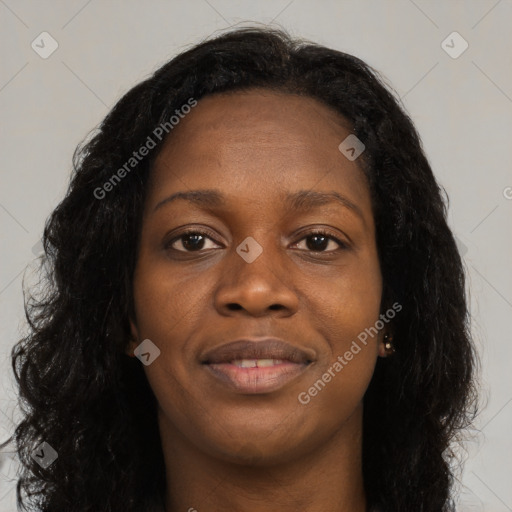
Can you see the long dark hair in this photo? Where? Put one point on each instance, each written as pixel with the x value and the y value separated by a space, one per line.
pixel 83 396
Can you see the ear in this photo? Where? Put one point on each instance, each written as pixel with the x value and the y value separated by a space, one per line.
pixel 134 338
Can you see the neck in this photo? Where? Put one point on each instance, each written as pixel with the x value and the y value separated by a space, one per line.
pixel 326 478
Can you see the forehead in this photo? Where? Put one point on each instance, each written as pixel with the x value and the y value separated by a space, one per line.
pixel 273 119
pixel 257 142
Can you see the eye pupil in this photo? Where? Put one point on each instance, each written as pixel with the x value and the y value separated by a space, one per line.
pixel 195 244
pixel 315 246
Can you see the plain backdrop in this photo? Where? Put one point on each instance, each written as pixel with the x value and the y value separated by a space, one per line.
pixel 459 98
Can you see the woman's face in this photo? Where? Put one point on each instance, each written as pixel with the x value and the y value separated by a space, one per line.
pixel 254 268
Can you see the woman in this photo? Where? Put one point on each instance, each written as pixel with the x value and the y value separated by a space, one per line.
pixel 257 226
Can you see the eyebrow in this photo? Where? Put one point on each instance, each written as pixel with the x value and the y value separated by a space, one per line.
pixel 303 200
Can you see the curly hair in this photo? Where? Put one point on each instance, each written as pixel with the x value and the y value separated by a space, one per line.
pixel 92 403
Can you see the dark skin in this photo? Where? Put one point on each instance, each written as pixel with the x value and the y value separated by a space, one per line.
pixel 260 452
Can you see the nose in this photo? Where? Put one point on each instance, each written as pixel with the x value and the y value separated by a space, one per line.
pixel 258 288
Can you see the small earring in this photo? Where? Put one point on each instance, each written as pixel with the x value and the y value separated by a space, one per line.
pixel 388 343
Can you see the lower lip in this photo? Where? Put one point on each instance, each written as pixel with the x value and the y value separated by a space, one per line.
pixel 256 380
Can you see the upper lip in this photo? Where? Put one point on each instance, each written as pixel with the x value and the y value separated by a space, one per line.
pixel 263 348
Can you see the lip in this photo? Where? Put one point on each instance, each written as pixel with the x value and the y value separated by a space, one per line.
pixel 293 361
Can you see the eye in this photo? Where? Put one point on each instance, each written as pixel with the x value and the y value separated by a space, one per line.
pixel 190 241
pixel 195 240
pixel 320 240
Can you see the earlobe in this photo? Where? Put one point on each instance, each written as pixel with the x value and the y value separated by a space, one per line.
pixel 133 342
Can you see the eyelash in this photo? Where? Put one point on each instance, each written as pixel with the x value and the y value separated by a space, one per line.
pixel 207 234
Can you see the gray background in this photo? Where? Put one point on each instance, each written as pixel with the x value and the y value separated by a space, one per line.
pixel 462 107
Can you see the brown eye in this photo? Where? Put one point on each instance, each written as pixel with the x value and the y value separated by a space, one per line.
pixel 319 241
pixel 191 241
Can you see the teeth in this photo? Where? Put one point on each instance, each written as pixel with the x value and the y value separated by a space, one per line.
pixel 268 362
pixel 256 363
pixel 247 363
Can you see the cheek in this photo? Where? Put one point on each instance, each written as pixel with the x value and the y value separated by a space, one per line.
pixel 348 303
pixel 344 371
pixel 165 313
pixel 163 304
pixel 345 311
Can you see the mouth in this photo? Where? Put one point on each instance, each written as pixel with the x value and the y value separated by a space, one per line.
pixel 256 367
